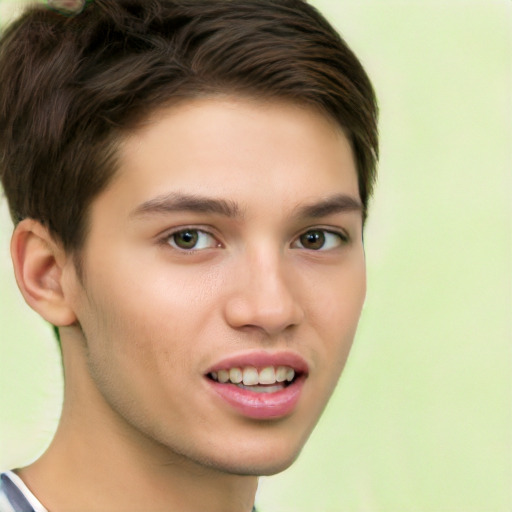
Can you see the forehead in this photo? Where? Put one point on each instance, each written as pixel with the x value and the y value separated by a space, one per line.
pixel 248 151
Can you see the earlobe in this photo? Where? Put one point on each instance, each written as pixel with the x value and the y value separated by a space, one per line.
pixel 39 263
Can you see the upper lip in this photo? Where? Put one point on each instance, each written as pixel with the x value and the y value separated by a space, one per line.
pixel 261 360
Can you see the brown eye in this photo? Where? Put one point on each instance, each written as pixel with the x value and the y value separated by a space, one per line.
pixel 320 240
pixel 314 240
pixel 192 240
pixel 186 239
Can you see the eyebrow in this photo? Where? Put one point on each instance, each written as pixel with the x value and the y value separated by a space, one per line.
pixel 177 201
pixel 339 203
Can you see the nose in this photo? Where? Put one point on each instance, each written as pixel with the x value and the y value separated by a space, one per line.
pixel 264 296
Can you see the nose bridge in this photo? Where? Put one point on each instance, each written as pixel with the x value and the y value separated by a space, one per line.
pixel 264 294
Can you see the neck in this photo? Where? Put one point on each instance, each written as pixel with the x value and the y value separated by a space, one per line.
pixel 98 462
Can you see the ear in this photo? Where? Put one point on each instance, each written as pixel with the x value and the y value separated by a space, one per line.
pixel 39 265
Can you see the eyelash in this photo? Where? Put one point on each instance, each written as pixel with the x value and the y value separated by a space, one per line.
pixel 342 237
pixel 169 239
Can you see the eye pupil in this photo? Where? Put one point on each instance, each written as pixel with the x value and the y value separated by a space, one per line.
pixel 186 239
pixel 313 239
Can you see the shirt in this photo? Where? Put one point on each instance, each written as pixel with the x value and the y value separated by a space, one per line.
pixel 15 496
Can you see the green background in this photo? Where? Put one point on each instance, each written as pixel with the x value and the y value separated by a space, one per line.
pixel 422 418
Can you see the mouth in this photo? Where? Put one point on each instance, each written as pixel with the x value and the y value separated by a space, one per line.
pixel 269 379
pixel 260 389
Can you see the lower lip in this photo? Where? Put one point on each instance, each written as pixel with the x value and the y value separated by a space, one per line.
pixel 261 406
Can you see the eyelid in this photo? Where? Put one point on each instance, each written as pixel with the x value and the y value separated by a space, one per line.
pixel 344 237
pixel 208 230
pixel 167 235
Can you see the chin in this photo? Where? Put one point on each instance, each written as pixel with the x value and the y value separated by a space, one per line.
pixel 255 467
pixel 255 459
pixel 275 467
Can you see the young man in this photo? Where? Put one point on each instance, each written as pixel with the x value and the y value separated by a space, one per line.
pixel 188 181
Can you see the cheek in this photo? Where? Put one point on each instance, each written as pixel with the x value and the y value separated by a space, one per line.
pixel 148 322
pixel 335 313
pixel 137 355
pixel 340 296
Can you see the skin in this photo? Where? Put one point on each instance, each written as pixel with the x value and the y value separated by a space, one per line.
pixel 140 428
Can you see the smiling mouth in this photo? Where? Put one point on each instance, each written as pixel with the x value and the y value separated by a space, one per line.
pixel 270 379
pixel 260 386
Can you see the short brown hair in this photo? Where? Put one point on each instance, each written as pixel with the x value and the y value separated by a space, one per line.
pixel 71 85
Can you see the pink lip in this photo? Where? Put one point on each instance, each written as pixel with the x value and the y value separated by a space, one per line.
pixel 261 405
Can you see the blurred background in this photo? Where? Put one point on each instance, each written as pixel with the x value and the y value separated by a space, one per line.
pixel 422 418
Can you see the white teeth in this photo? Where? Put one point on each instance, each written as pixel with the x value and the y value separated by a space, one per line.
pixel 236 375
pixel 281 373
pixel 262 389
pixel 251 376
pixel 223 376
pixel 267 375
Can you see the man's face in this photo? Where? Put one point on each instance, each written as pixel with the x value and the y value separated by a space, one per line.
pixel 228 246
